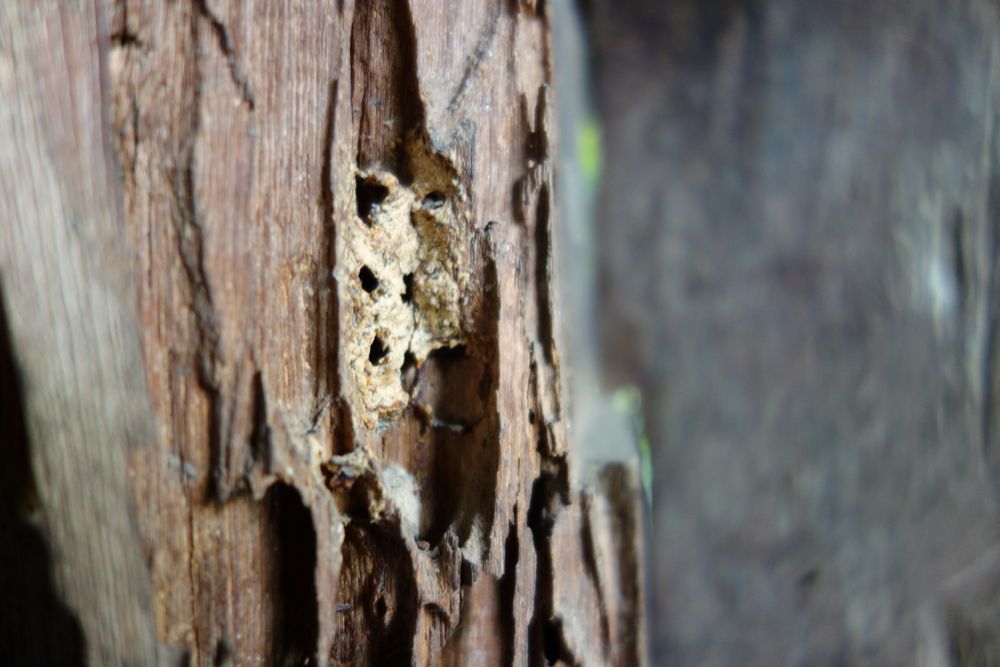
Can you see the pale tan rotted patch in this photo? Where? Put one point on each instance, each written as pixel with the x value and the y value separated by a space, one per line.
pixel 407 270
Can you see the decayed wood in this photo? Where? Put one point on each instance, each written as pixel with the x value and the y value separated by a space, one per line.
pixel 330 262
pixel 800 234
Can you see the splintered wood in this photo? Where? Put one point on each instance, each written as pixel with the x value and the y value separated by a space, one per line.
pixel 332 234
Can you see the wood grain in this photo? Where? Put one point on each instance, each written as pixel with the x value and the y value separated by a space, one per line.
pixel 328 464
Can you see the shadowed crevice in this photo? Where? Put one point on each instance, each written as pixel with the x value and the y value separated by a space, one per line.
pixel 36 627
pixel 377 598
pixel 508 591
pixel 296 613
pixel 384 57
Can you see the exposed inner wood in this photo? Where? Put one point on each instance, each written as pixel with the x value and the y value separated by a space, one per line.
pixel 332 249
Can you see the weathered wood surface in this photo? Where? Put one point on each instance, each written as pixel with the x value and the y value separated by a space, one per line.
pixel 800 228
pixel 279 280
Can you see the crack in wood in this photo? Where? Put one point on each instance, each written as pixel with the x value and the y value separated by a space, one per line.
pixel 225 42
pixel 326 306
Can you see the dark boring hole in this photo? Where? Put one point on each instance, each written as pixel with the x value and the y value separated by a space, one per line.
pixel 408 288
pixel 469 573
pixel 552 641
pixel 380 607
pixel 223 652
pixel 260 436
pixel 369 282
pixel 455 353
pixel 370 194
pixel 434 200
pixel 409 371
pixel 378 351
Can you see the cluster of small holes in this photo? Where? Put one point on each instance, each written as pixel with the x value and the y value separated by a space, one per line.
pixel 371 196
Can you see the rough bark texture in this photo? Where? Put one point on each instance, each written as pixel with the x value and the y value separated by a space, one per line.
pixel 800 234
pixel 280 290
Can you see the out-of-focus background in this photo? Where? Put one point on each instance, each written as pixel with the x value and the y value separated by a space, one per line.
pixel 797 225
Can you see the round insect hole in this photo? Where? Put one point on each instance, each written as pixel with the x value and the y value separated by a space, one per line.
pixel 370 195
pixel 369 282
pixel 408 373
pixel 378 351
pixel 433 200
pixel 407 295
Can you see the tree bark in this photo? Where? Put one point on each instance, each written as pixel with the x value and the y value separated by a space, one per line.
pixel 280 290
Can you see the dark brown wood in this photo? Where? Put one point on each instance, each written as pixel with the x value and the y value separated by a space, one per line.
pixel 280 283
